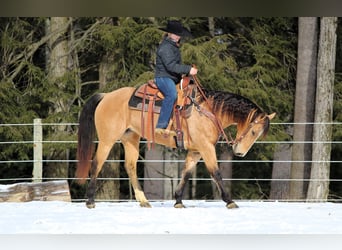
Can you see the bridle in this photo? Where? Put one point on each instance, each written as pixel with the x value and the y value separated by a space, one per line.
pixel 230 142
pixel 249 127
pixel 210 114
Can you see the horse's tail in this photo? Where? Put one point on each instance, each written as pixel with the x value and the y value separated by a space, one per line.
pixel 86 136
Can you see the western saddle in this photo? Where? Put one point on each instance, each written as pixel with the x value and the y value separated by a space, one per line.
pixel 148 98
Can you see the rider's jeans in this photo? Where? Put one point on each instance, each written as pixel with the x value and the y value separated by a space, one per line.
pixel 168 87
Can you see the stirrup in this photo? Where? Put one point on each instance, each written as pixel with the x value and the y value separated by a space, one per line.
pixel 180 139
pixel 165 132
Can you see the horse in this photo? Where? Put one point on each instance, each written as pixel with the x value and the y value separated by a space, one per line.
pixel 109 116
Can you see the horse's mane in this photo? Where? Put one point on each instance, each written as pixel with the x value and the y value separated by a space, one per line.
pixel 226 103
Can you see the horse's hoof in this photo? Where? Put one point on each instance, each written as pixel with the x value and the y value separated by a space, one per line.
pixel 179 205
pixel 232 205
pixel 90 205
pixel 145 204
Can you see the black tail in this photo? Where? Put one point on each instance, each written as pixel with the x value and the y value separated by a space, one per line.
pixel 86 136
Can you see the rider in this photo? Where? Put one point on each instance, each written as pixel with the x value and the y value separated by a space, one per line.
pixel 169 70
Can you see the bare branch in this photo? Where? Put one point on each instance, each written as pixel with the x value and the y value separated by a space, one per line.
pixel 27 54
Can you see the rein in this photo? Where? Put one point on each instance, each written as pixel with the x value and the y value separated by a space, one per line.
pixel 210 114
pixel 213 118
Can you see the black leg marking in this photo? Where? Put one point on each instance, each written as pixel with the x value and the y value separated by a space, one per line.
pixel 91 193
pixel 180 190
pixel 92 186
pixel 219 182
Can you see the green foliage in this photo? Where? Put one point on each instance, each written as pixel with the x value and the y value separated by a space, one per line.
pixel 132 45
pixel 13 111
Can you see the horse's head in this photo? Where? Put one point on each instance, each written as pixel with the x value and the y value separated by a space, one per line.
pixel 247 135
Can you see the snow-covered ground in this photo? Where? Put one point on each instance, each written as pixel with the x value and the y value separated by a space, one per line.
pixel 200 217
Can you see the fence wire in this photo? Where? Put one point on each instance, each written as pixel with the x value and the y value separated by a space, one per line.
pixel 32 142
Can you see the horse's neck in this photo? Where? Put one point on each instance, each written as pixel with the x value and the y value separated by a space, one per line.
pixel 225 119
pixel 228 118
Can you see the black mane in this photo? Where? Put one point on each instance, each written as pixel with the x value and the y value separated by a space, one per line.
pixel 232 104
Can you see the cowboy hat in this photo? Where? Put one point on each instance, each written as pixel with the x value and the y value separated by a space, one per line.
pixel 175 27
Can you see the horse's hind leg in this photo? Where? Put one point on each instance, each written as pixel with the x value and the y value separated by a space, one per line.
pixel 131 142
pixel 190 163
pixel 96 166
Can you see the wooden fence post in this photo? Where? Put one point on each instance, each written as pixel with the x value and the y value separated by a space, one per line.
pixel 37 173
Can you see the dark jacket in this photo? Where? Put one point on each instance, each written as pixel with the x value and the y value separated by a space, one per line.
pixel 168 61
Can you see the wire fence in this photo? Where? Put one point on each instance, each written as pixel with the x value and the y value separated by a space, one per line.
pixel 37 143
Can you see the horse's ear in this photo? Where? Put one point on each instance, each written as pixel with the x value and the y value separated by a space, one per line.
pixel 271 116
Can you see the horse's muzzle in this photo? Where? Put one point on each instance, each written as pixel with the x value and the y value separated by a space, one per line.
pixel 238 151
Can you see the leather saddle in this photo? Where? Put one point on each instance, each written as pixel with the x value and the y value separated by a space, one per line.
pixel 148 98
pixel 149 91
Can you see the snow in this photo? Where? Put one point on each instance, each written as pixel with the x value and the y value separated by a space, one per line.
pixel 199 217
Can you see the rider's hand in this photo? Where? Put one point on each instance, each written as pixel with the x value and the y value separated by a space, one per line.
pixel 193 71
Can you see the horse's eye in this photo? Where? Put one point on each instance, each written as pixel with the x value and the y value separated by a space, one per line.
pixel 253 133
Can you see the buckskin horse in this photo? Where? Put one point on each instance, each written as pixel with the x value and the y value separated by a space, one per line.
pixel 109 116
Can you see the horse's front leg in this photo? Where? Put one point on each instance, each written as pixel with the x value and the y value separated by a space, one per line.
pixel 190 162
pixel 217 177
pixel 209 157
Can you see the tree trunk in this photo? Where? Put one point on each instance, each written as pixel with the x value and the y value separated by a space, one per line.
pixel 161 178
pixel 171 172
pixel 57 62
pixel 107 69
pixel 322 134
pixel 154 173
pixel 304 105
pixel 211 26
pixel 281 170
pixel 109 189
